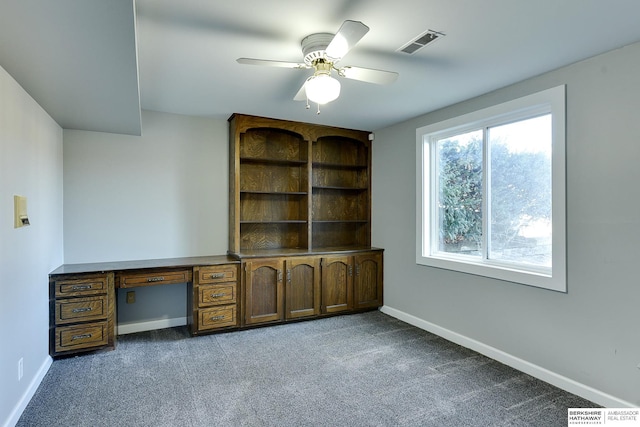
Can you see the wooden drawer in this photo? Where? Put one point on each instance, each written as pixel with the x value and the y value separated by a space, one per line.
pixel 217 317
pixel 79 287
pixel 81 309
pixel 216 294
pixel 81 336
pixel 158 277
pixel 218 274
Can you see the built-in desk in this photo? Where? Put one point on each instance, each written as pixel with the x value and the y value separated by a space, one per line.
pixel 82 303
pixel 225 292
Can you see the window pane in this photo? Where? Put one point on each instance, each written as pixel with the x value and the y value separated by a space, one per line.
pixel 459 193
pixel 520 192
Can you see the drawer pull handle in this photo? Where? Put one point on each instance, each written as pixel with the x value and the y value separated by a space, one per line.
pixel 79 337
pixel 217 275
pixel 81 310
pixel 218 295
pixel 155 279
pixel 216 318
pixel 81 287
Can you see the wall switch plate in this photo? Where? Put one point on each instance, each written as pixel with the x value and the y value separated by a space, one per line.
pixel 20 217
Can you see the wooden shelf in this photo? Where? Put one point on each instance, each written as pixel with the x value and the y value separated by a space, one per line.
pixel 338 166
pixel 277 193
pixel 283 174
pixel 270 161
pixel 284 221
pixel 339 221
pixel 334 187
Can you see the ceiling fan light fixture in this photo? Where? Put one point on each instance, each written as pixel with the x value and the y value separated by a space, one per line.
pixel 322 88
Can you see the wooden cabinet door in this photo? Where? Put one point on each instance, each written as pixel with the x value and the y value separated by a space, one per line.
pixel 303 287
pixel 368 280
pixel 337 284
pixel 264 296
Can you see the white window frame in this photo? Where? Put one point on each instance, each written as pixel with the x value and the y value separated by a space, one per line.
pixel 547 101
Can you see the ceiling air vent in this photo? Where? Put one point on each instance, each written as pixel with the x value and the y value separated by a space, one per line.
pixel 421 41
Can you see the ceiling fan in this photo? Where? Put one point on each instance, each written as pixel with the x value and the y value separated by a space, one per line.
pixel 321 52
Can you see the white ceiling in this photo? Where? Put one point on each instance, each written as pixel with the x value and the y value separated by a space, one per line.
pixel 77 57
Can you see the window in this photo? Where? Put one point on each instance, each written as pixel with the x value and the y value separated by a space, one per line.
pixel 491 192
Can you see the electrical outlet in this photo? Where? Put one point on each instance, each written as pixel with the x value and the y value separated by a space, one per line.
pixel 20 369
pixel 131 297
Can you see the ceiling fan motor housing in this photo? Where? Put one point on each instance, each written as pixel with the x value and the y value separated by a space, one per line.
pixel 314 46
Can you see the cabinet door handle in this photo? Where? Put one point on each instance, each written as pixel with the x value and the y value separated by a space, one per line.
pixel 216 318
pixel 81 310
pixel 81 287
pixel 358 270
pixel 350 270
pixel 289 276
pixel 155 279
pixel 279 275
pixel 218 295
pixel 217 275
pixel 81 336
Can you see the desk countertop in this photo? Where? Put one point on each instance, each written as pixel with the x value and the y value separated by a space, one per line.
pixel 96 267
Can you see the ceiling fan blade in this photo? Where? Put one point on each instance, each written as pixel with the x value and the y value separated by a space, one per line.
pixel 269 63
pixel 347 36
pixel 368 75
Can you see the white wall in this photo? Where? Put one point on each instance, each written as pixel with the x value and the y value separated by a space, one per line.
pixel 161 195
pixel 588 335
pixel 30 166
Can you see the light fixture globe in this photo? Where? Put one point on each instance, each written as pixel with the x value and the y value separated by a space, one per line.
pixel 322 88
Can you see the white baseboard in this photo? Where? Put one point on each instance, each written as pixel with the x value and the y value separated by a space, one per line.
pixel 29 392
pixel 130 328
pixel 539 372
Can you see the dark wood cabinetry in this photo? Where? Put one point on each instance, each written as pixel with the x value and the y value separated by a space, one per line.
pixel 305 286
pixel 340 192
pixel 368 280
pixel 213 298
pixel 82 303
pixel 264 291
pixel 337 283
pixel 302 288
pixel 300 219
pixel 81 311
pixel 297 186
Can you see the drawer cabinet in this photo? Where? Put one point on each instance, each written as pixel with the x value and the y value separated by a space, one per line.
pixel 213 298
pixel 217 294
pixel 82 313
pixel 82 337
pixel 218 274
pixel 81 309
pixel 153 277
pixel 217 317
pixel 80 287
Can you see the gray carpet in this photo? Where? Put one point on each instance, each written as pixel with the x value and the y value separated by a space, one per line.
pixel 357 370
